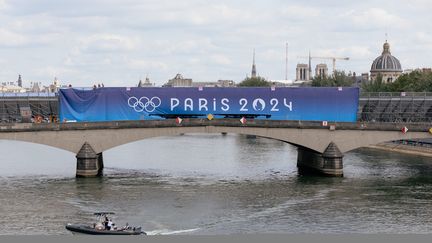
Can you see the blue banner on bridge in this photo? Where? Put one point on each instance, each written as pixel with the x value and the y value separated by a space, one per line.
pixel 115 104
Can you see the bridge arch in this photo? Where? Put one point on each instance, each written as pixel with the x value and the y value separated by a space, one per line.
pixel 139 134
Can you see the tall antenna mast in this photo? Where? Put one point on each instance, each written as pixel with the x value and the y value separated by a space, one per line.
pixel 286 62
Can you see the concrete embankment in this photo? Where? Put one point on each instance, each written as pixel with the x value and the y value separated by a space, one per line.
pixel 403 148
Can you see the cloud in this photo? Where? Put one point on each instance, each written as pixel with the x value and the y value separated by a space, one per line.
pixel 424 37
pixel 146 65
pixel 351 51
pixel 108 43
pixel 3 5
pixel 11 39
pixel 175 46
pixel 298 11
pixel 220 59
pixel 55 71
pixel 377 18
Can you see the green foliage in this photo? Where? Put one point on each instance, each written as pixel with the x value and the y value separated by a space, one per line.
pixel 338 79
pixel 412 82
pixel 254 82
pixel 375 86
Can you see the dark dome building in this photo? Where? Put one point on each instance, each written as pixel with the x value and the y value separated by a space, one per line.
pixel 387 65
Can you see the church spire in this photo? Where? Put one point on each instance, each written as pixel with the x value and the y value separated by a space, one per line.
pixel 19 80
pixel 253 74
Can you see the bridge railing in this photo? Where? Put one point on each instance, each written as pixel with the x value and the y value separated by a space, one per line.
pixel 28 94
pixel 362 94
pixel 394 94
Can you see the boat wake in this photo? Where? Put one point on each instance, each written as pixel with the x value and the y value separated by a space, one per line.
pixel 170 232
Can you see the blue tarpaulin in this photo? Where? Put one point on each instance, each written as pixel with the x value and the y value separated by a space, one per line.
pixel 116 104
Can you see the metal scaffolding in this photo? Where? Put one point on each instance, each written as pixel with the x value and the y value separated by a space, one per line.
pixel 40 104
pixel 395 107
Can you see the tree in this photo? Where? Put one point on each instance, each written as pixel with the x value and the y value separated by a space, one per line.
pixel 338 79
pixel 415 81
pixel 376 85
pixel 254 82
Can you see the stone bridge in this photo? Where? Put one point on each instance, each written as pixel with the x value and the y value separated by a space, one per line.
pixel 320 148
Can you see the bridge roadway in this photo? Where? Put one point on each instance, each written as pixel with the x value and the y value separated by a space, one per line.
pixel 320 148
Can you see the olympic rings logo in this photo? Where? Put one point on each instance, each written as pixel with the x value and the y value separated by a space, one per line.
pixel 144 103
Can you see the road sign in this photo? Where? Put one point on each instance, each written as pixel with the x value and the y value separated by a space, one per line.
pixel 324 123
pixel 404 130
pixel 243 120
pixel 210 117
pixel 179 120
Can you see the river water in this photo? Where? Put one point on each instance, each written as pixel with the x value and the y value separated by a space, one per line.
pixel 202 184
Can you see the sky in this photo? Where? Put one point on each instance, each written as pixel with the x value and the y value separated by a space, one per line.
pixel 119 42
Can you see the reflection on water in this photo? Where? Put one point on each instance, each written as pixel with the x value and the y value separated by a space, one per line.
pixel 214 184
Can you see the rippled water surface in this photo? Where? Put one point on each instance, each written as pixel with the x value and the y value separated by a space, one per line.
pixel 214 184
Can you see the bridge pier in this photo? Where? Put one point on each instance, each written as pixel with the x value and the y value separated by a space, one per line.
pixel 329 163
pixel 89 164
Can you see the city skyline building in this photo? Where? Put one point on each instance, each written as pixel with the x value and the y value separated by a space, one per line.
pixel 321 70
pixel 178 81
pixel 19 80
pixel 386 65
pixel 302 72
pixel 145 84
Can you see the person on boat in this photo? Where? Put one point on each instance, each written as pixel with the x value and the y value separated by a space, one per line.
pixel 126 227
pixel 109 225
pixel 105 222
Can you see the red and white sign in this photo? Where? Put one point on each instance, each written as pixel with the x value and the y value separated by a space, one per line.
pixel 325 123
pixel 404 130
pixel 200 88
pixel 243 120
pixel 179 120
